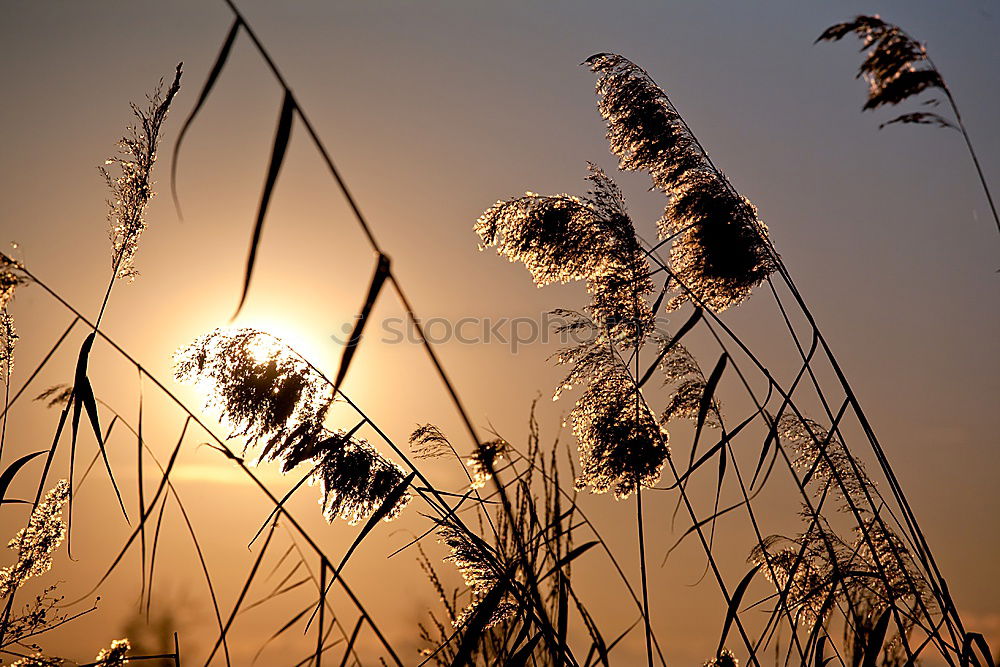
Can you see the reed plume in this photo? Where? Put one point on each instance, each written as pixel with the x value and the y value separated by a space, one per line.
pixel 864 577
pixel 807 566
pixel 354 477
pixel 621 442
pixel 428 442
pixel 114 656
pixel 8 340
pixel 483 461
pixel 263 391
pixel 481 567
pixel 56 396
pixel 10 279
pixel 683 374
pixel 563 238
pixel 720 250
pixel 36 542
pixel 824 459
pixel 132 184
pixel 897 68
pixel 726 658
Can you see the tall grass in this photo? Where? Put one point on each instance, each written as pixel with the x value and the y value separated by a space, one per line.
pixel 857 585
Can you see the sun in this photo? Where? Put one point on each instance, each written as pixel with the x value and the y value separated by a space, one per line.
pixel 283 330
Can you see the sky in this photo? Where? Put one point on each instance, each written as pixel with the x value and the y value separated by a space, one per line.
pixel 433 111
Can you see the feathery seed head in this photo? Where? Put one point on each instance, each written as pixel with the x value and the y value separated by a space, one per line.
pixel 484 459
pixel 265 392
pixel 621 444
pixel 36 542
pixel 720 250
pixel 428 442
pixel 132 188
pixel 896 67
pixel 8 340
pixel 682 372
pixel 820 453
pixel 355 479
pixel 9 282
pixel 257 385
pixel 563 238
pixel 57 395
pixel 726 658
pixel 481 570
pixel 808 567
pixel 115 655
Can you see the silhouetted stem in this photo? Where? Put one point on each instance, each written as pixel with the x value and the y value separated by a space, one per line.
pixel 642 569
pixel 968 143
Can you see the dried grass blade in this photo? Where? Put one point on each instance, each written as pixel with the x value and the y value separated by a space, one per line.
pixel 243 594
pixel 687 326
pixel 378 280
pixel 83 396
pixel 694 527
pixel 281 138
pixel 8 475
pixel 281 631
pixel 820 646
pixel 86 395
pixel 734 607
pixel 523 654
pixel 220 62
pixel 141 479
pixel 322 608
pixel 875 640
pixel 570 557
pixel 152 556
pixel 710 386
pixel 772 434
pixel 281 590
pixel 562 615
pixel 707 456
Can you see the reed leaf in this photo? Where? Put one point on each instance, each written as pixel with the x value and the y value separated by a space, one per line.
pixel 11 471
pixel 378 280
pixel 213 75
pixel 282 135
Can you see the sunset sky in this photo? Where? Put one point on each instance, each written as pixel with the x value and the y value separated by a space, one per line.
pixel 433 111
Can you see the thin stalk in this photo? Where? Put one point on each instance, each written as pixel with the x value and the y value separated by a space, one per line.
pixel 6 404
pixel 968 143
pixel 642 569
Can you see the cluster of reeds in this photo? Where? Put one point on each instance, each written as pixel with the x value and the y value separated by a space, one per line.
pixel 719 252
pixel 860 570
